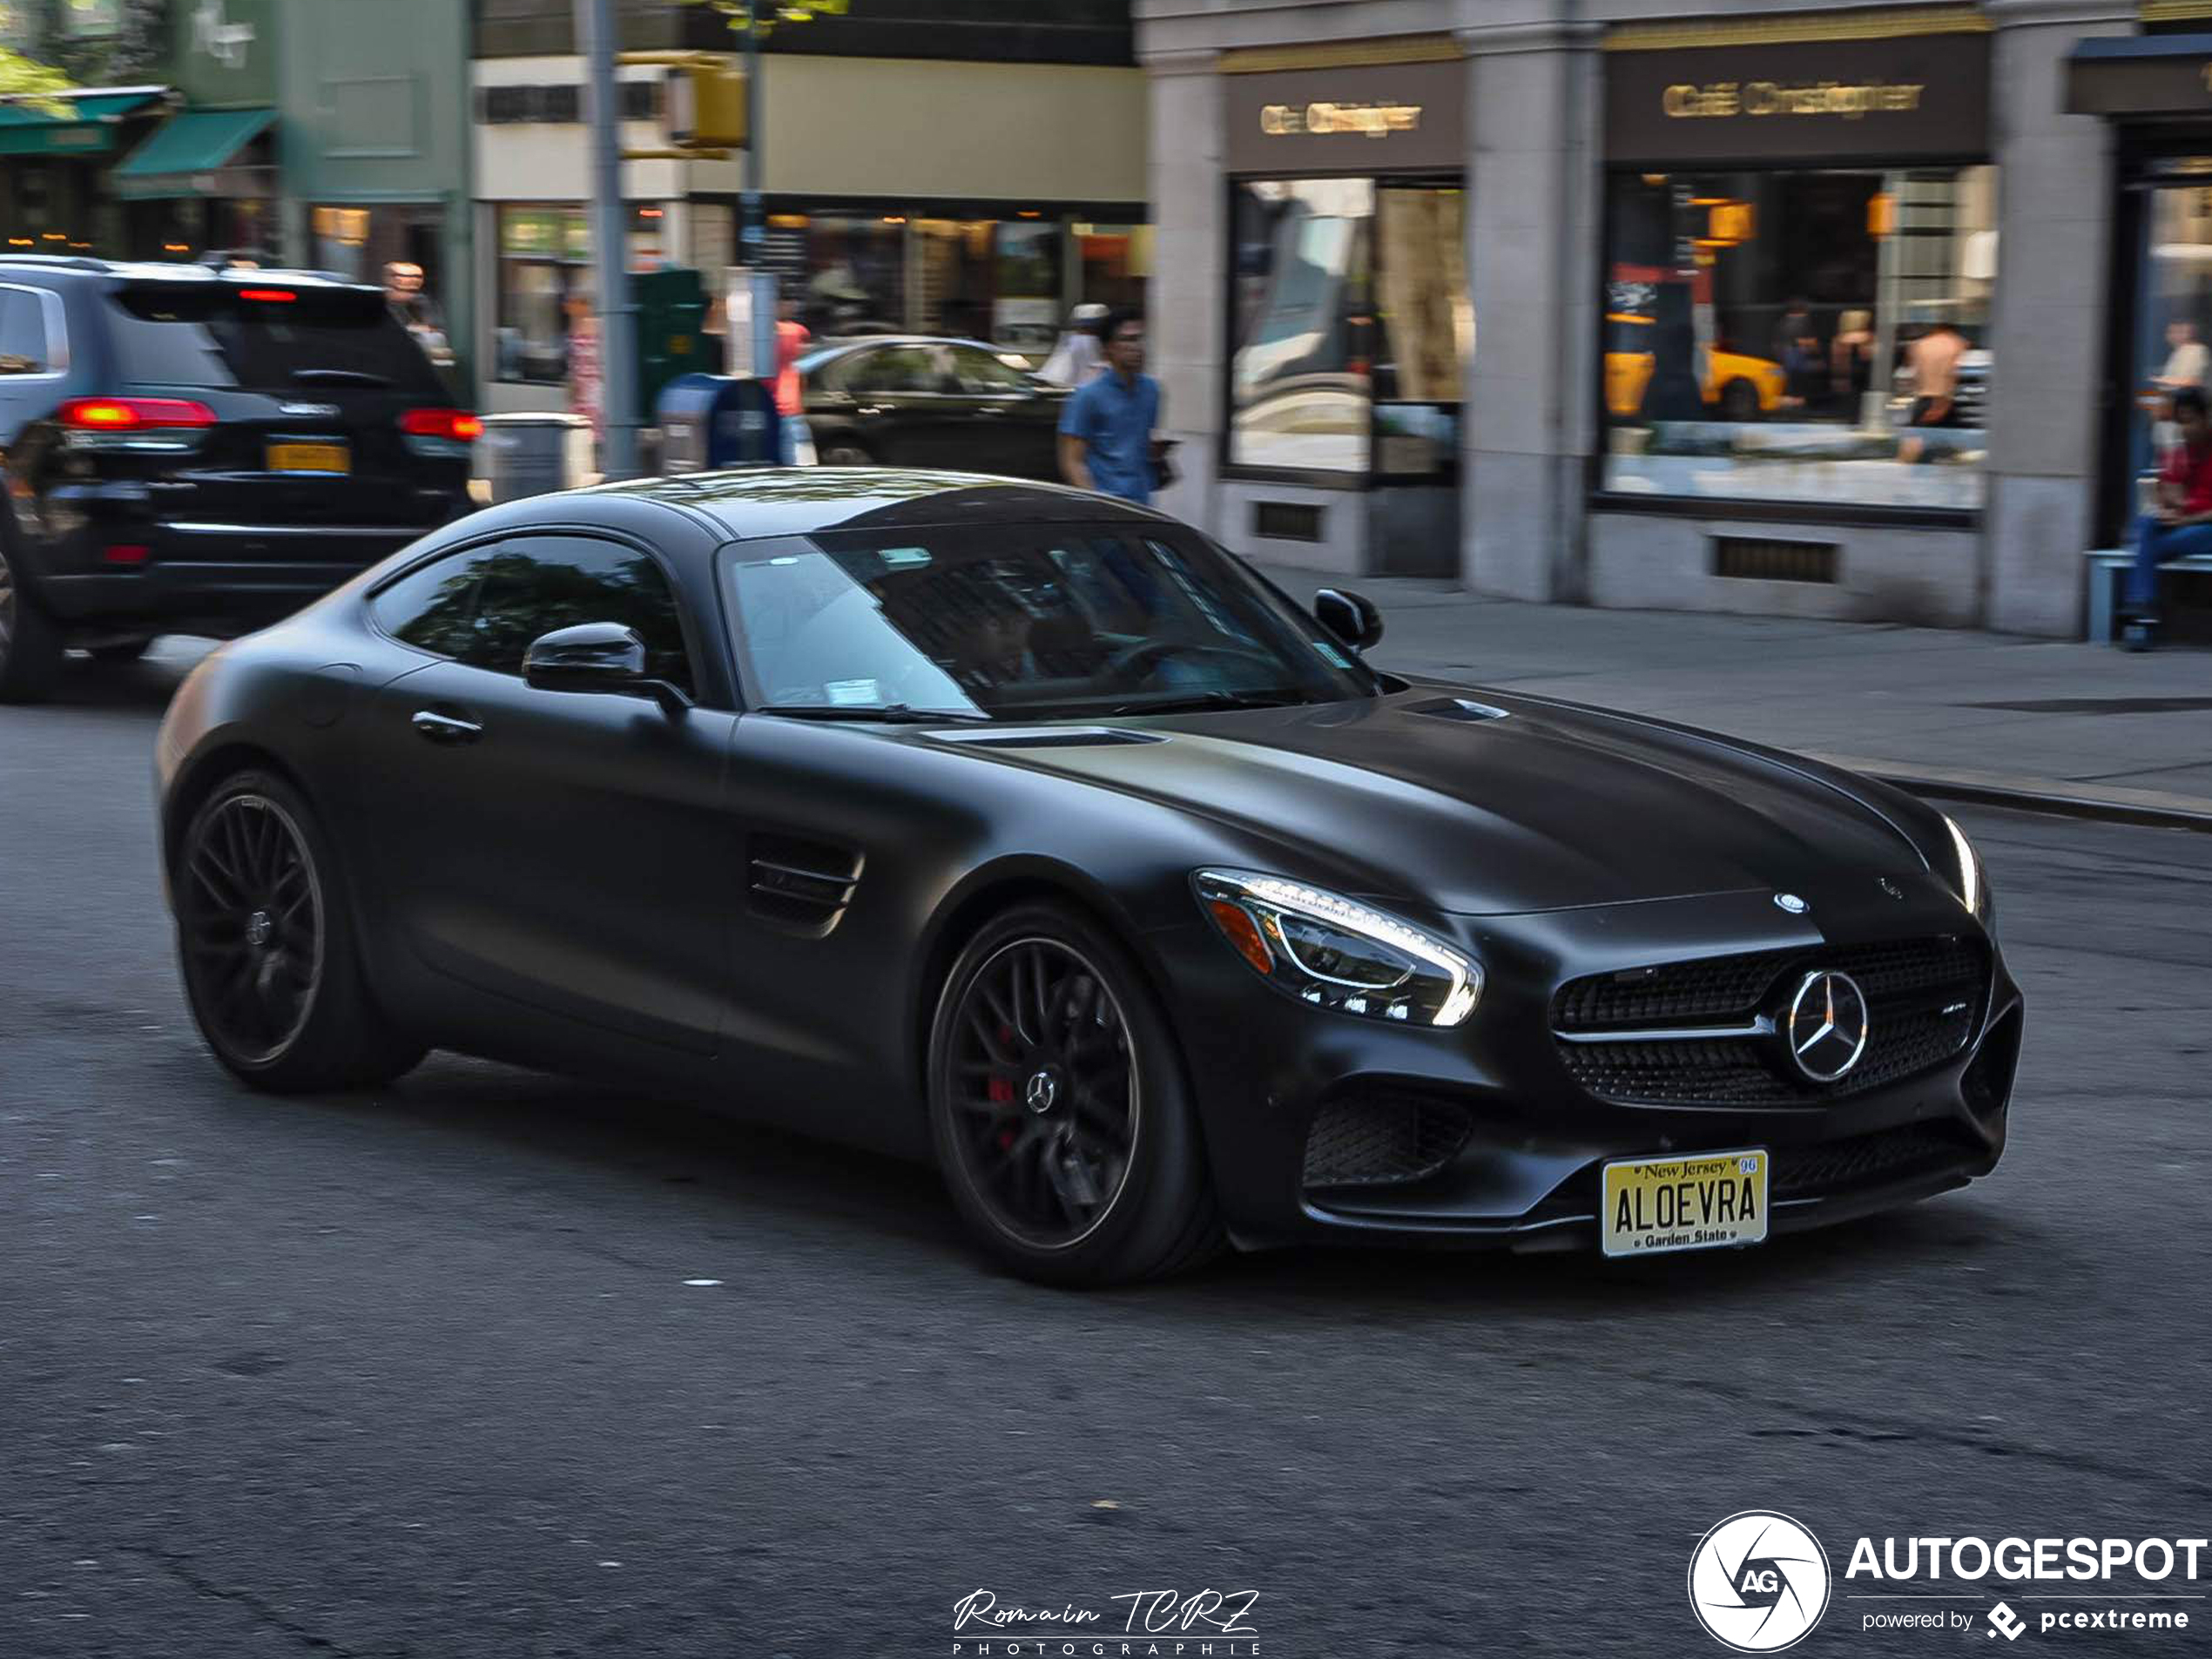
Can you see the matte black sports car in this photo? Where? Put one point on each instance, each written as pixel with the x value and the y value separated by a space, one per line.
pixel 1028 831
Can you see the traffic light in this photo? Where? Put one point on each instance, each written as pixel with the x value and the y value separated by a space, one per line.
pixel 704 108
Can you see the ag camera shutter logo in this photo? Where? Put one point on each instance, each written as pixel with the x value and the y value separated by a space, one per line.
pixel 1758 1582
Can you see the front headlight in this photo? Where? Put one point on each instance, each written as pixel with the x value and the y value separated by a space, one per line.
pixel 1326 949
pixel 1973 884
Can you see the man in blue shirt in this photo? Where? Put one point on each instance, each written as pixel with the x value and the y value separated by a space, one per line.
pixel 1106 430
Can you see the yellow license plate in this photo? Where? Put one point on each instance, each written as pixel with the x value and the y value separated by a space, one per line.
pixel 310 457
pixel 1706 1201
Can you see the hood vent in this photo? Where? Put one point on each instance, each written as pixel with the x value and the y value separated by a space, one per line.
pixel 801 885
pixel 1457 708
pixel 1050 737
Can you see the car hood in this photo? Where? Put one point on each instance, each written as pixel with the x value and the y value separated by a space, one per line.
pixel 1533 806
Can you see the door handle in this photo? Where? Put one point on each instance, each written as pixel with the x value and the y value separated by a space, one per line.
pixel 445 728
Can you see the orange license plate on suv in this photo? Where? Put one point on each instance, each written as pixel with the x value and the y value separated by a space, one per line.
pixel 310 457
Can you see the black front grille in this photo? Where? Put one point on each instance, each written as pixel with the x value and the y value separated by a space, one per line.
pixel 1378 1139
pixel 1923 998
pixel 1881 1159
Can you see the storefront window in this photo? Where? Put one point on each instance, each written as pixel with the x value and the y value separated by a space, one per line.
pixel 544 263
pixel 857 279
pixel 1025 302
pixel 1116 259
pixel 1354 325
pixel 1300 383
pixel 954 281
pixel 1814 335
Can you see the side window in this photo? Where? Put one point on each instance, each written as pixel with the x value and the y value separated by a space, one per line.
pixel 898 368
pixel 433 608
pixel 533 585
pixel 23 333
pixel 980 374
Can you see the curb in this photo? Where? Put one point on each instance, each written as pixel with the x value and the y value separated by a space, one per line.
pixel 2147 807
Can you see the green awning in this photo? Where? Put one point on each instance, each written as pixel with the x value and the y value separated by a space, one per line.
pixel 189 142
pixel 88 128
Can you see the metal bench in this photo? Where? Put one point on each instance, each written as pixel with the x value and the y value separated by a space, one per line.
pixel 2108 567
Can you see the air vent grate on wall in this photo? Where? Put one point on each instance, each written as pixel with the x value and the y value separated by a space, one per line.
pixel 1287 520
pixel 1764 559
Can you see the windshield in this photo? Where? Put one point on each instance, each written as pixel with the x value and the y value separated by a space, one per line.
pixel 1025 623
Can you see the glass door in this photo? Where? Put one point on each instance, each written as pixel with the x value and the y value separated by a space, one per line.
pixel 2167 342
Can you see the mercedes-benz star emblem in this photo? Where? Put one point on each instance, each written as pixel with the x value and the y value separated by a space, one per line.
pixel 1041 1093
pixel 1827 1025
pixel 1790 902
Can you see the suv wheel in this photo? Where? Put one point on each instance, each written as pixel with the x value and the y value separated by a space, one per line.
pixel 30 646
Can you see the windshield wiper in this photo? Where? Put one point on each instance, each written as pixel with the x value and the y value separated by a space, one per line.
pixel 340 377
pixel 1191 701
pixel 895 713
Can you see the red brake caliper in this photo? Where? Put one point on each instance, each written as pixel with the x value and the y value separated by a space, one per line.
pixel 1001 1091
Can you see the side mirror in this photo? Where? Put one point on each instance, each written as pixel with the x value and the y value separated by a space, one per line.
pixel 595 656
pixel 1350 617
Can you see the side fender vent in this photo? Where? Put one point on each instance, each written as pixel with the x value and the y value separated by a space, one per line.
pixel 801 885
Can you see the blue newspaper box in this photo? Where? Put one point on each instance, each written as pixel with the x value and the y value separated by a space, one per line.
pixel 712 420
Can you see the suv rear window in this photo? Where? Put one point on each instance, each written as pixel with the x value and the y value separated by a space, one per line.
pixel 170 334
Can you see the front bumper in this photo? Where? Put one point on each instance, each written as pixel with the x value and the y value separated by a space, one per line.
pixel 1517 1165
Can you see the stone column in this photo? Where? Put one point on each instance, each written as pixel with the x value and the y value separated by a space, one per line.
pixel 1183 296
pixel 2055 191
pixel 1531 263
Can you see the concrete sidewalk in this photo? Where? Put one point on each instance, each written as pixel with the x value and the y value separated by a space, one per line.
pixel 2086 729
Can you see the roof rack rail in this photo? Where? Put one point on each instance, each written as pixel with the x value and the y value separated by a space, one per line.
pixel 66 261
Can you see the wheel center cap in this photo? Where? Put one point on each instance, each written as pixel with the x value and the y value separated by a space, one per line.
pixel 260 928
pixel 1042 1092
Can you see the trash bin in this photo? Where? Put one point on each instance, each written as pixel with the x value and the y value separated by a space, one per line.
pixel 534 454
pixel 712 420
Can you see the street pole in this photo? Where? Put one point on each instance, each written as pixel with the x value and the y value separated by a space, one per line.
pixel 756 231
pixel 609 242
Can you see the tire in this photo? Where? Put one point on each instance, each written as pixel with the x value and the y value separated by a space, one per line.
pixel 31 645
pixel 120 650
pixel 267 947
pixel 843 452
pixel 1739 401
pixel 1075 1159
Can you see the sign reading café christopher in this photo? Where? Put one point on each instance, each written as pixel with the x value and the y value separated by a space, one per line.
pixel 1920 97
pixel 1362 118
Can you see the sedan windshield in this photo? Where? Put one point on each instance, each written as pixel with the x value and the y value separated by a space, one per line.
pixel 1028 623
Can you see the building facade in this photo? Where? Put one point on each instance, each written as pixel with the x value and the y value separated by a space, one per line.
pixel 927 165
pixel 330 134
pixel 1801 309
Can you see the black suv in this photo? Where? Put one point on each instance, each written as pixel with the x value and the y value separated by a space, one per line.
pixel 186 449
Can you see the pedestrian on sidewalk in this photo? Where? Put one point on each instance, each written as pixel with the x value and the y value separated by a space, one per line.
pixel 1106 430
pixel 2181 523
pixel 1078 360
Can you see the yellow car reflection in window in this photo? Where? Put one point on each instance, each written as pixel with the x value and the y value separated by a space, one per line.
pixel 1737 387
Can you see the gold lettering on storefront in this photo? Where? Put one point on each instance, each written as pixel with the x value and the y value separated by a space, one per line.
pixel 1370 120
pixel 1722 98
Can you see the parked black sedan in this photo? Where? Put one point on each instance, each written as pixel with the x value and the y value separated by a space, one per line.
pixel 1026 831
pixel 913 401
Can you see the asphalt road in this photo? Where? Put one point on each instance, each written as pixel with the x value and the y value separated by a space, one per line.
pixel 427 1372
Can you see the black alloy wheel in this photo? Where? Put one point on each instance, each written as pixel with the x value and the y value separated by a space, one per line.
pixel 30 646
pixel 1062 1122
pixel 250 918
pixel 1047 1092
pixel 266 946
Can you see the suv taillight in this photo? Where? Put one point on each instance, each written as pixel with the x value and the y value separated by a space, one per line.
pixel 458 425
pixel 135 425
pixel 133 413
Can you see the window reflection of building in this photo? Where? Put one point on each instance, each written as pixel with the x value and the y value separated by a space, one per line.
pixel 1304 334
pixel 1759 329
